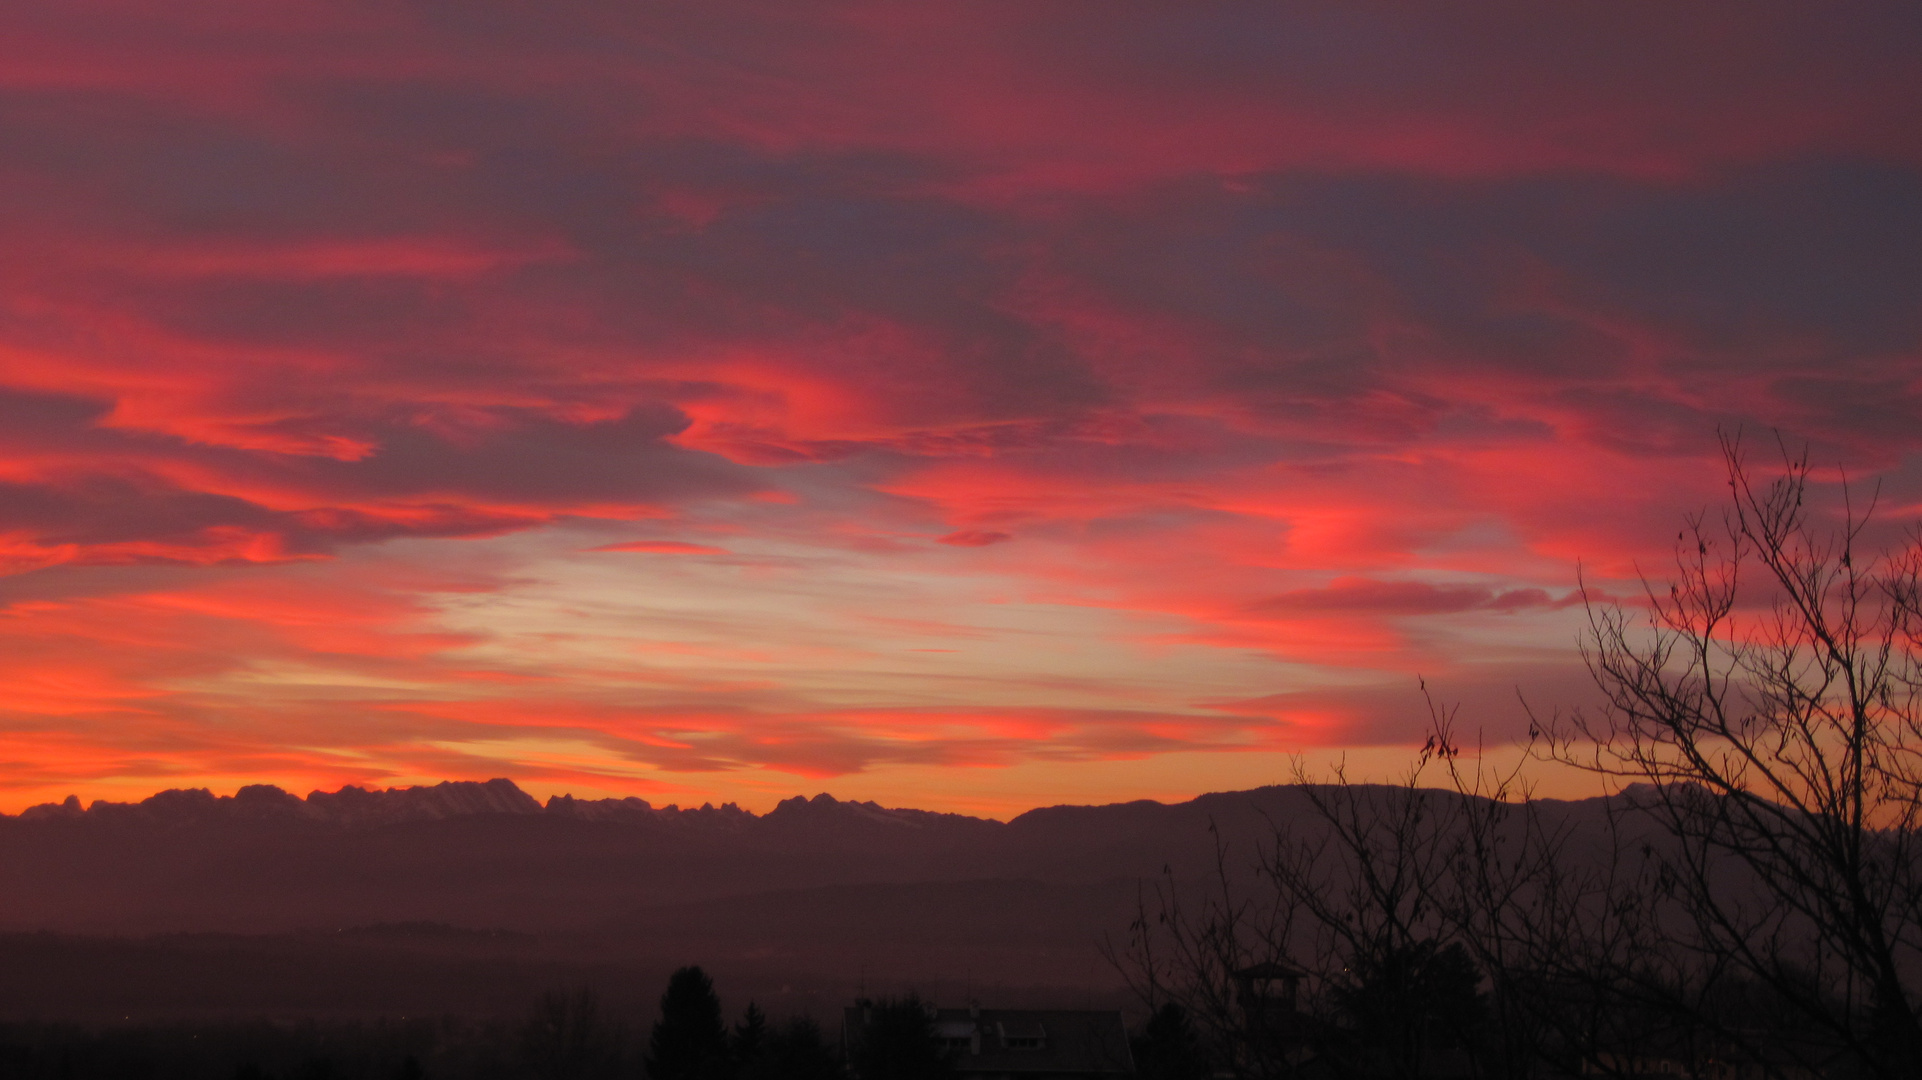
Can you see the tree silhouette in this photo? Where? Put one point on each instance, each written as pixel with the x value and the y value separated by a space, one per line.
pixel 898 1043
pixel 1408 1000
pixel 568 1036
pixel 1752 895
pixel 1167 1048
pixel 1773 720
pixel 793 1051
pixel 689 1041
pixel 749 1041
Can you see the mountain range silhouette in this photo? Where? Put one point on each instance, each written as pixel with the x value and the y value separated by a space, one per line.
pixel 471 892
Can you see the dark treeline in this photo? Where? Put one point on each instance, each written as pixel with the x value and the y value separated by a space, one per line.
pixel 257 1050
pixel 691 1041
pixel 566 1035
pixel 1750 904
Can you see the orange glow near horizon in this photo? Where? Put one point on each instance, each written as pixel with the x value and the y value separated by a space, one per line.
pixel 972 411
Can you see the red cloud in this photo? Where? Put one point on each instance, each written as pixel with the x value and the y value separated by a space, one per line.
pixel 1363 596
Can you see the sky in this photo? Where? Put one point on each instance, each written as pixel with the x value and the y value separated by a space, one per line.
pixel 964 406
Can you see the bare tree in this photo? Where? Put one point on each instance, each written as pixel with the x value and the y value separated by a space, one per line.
pixel 1186 945
pixel 1375 872
pixel 1555 906
pixel 1354 901
pixel 1766 710
pixel 1752 892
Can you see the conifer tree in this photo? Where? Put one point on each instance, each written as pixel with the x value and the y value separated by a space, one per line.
pixel 750 1035
pixel 689 1041
pixel 898 1043
pixel 794 1050
pixel 1167 1048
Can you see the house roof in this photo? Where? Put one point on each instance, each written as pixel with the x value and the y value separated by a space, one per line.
pixel 1271 970
pixel 1071 1042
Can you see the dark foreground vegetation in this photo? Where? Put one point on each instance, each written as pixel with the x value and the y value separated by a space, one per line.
pixel 565 1035
pixel 1751 906
pixel 257 1051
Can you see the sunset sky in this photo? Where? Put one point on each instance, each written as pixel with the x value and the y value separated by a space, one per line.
pixel 966 406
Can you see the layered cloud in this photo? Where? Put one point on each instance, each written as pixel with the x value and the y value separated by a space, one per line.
pixel 702 397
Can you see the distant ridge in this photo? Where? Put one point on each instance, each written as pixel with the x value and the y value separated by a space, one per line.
pixel 820 880
pixel 357 806
pixel 264 802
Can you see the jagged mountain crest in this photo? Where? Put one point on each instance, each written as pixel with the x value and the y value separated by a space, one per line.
pixel 486 854
pixel 264 802
pixel 358 806
pixel 452 799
